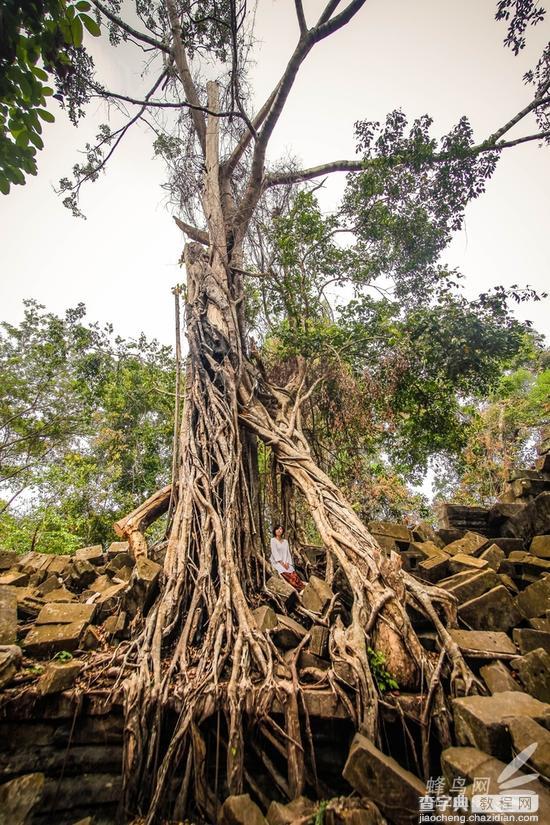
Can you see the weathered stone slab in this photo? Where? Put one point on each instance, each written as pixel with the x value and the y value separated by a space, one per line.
pixel 288 632
pixel 508 583
pixel 51 582
pixel 470 584
pixel 282 590
pixel 434 568
pixel 64 613
pixel 494 610
pixel 300 808
pixel 117 547
pixel 240 810
pixel 468 544
pixel 82 573
pixel 114 625
pixel 535 599
pixel 533 670
pixel 526 731
pixel 316 595
pixel 101 584
pixel 498 678
pixel 528 639
pixel 493 555
pixel 399 532
pixel 393 789
pixel 14 578
pixel 20 797
pixel 8 559
pixel 471 764
pixel 265 617
pixel 47 639
pixel 425 532
pixel 480 642
pixel 461 562
pixel 10 662
pixel 8 616
pixel 59 595
pixel 58 565
pixel 540 547
pixel 29 602
pixel 92 554
pixel 109 599
pixel 318 642
pixel 480 721
pixel 58 676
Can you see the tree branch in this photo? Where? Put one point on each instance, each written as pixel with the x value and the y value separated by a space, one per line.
pixel 301 16
pixel 244 142
pixel 304 46
pixel 184 73
pixel 145 38
pixel 540 100
pixel 195 234
pixel 300 175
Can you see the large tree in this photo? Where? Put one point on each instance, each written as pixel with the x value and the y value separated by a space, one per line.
pixel 200 646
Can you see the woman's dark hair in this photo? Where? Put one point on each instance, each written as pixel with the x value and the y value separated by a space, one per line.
pixel 276 527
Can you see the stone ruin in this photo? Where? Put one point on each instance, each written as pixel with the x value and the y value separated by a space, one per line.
pixel 61 722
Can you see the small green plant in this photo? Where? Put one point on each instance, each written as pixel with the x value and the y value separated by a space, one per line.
pixel 383 679
pixel 34 670
pixel 320 813
pixel 63 656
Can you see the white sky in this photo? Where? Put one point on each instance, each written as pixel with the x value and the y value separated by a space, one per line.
pixel 436 56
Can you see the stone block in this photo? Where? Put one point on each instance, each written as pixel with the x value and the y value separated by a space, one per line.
pixel 540 547
pixel 316 595
pixel 92 554
pixel 393 789
pixel 91 638
pixel 58 676
pixel 461 562
pixel 14 578
pixel 65 612
pixel 82 573
pixel 240 810
pixel 470 543
pixel 318 641
pixel 29 603
pixel 51 582
pixel 433 569
pixel 540 624
pixel 119 560
pixel 471 763
pixel 101 584
pixel 47 639
pixel 425 532
pixel 298 809
pixel 282 590
pixel 535 599
pixel 528 639
pixel 58 565
pixel 526 731
pixel 470 584
pixel 109 600
pixel 8 559
pixel 10 662
pixel 116 548
pixel 398 532
pixel 480 721
pixel 494 610
pixel 533 670
pixel 493 555
pixel 508 583
pixel 498 678
pixel 265 617
pixel 288 633
pixel 483 643
pixel 59 595
pixel 8 616
pixel 20 797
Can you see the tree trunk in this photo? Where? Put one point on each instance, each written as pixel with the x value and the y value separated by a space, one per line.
pixel 200 648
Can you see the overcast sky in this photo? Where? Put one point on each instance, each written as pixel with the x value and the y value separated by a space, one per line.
pixel 436 56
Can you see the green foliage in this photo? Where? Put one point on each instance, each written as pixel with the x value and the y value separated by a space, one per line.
pixel 62 656
pixel 41 48
pixel 86 425
pixel 320 812
pixel 383 679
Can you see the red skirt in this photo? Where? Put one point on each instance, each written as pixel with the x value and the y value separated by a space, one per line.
pixel 295 580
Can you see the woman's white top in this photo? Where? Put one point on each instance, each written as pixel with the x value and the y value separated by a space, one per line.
pixel 280 552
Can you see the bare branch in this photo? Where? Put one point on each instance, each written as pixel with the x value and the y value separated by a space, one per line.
pixel 145 38
pixel 331 25
pixel 540 100
pixel 247 136
pixel 184 73
pixel 329 9
pixel 195 234
pixel 300 175
pixel 301 16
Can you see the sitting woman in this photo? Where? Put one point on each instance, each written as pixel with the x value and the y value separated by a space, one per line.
pixel 281 559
